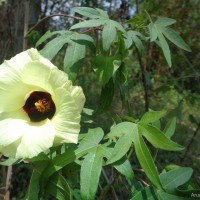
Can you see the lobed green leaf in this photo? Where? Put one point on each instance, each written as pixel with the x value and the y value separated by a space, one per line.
pixel 175 38
pixel 158 139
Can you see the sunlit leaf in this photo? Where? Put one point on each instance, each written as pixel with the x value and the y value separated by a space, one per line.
pixel 170 127
pixel 152 116
pixel 89 24
pixel 90 173
pixel 121 147
pixel 164 21
pixel 146 161
pixel 54 46
pixel 172 179
pixel 87 12
pixel 175 38
pixel 49 34
pixel 108 35
pixel 158 139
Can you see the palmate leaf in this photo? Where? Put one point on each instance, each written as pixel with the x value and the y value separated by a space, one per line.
pixel 136 38
pixel 54 46
pixel 146 161
pixel 159 30
pixel 99 18
pixel 75 53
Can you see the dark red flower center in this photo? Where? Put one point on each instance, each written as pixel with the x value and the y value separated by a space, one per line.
pixel 39 106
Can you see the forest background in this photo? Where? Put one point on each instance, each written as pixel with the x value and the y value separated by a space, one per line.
pixel 175 89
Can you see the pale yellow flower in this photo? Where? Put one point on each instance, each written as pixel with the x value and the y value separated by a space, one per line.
pixel 39 107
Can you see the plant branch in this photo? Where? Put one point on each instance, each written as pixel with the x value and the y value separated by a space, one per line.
pixel 190 143
pixel 50 16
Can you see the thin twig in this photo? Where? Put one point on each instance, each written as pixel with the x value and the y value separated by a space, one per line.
pixel 8 180
pixel 54 15
pixel 190 144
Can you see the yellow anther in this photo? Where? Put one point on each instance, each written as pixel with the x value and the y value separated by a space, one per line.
pixel 42 105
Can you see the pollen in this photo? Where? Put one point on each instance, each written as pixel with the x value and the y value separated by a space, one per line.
pixel 42 105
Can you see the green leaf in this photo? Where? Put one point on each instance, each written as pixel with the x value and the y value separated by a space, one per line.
pixel 90 141
pixel 172 179
pixel 87 12
pixel 165 49
pixel 52 47
pixel 90 173
pixel 146 161
pixel 106 97
pixel 58 187
pixel 164 21
pixel 59 162
pixel 135 36
pixel 73 57
pixel 10 161
pixel 121 129
pixel 158 139
pixel 105 67
pixel 147 194
pixel 170 127
pixel 108 35
pixel 49 34
pixel 34 185
pixel 153 32
pixel 118 26
pixel 130 130
pixel 175 38
pixel 121 147
pixel 89 24
pixel 151 116
pixel 124 167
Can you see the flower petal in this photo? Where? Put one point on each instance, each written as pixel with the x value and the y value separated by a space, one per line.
pixel 20 60
pixel 67 118
pixel 38 138
pixel 78 96
pixel 12 126
pixel 37 74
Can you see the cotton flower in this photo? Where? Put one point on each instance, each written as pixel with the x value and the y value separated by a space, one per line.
pixel 39 107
